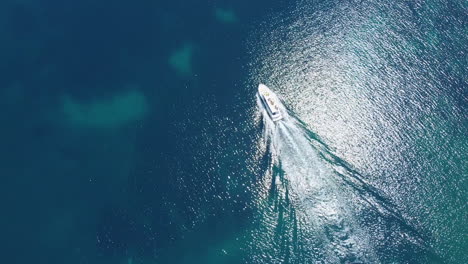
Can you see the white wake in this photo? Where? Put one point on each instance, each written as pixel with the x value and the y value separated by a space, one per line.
pixel 322 205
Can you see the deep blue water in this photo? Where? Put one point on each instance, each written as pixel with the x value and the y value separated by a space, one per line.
pixel 132 133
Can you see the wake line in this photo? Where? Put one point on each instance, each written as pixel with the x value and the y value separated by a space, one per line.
pixel 321 206
pixel 336 214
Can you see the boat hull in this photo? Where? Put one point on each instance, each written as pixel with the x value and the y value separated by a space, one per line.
pixel 270 101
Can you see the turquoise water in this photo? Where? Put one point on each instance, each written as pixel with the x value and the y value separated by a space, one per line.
pixel 132 132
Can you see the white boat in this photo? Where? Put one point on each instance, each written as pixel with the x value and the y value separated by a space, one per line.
pixel 271 102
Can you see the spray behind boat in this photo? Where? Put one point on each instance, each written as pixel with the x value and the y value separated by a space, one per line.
pixel 320 206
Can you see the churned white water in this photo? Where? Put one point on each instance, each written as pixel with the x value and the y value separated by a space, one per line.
pixel 323 207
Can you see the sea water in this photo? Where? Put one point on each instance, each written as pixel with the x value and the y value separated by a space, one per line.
pixel 131 131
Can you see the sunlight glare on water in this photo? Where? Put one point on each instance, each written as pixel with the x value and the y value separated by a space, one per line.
pixel 373 98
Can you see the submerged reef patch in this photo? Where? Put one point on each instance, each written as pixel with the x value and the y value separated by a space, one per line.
pixel 181 60
pixel 227 16
pixel 112 112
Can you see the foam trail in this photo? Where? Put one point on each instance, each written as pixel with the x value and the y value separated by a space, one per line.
pixel 322 206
